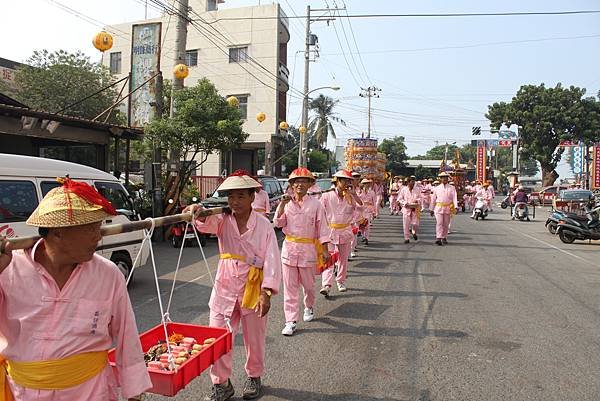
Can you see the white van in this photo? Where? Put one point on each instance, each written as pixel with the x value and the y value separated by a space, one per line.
pixel 25 180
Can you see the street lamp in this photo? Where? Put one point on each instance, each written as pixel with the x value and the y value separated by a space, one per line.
pixel 302 147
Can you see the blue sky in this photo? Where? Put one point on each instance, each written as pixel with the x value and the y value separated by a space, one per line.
pixel 437 75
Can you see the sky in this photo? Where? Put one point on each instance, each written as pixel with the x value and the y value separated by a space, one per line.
pixel 437 75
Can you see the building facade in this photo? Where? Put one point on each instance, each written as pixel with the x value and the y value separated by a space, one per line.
pixel 244 57
pixel 7 72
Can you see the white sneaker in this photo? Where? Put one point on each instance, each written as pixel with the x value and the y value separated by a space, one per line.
pixel 325 290
pixel 352 254
pixel 289 329
pixel 341 287
pixel 309 314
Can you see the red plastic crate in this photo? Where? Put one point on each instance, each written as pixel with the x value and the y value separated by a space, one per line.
pixel 169 383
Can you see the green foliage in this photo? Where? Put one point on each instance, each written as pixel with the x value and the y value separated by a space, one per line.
pixel 320 161
pixel 395 150
pixel 52 81
pixel 423 172
pixel 548 116
pixel 203 123
pixel 528 168
pixel 320 126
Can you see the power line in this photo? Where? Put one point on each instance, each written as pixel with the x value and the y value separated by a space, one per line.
pixel 357 49
pixel 349 47
pixel 344 53
pixel 431 15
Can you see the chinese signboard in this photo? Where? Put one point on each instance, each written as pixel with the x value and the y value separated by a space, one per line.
pixel 145 63
pixel 481 161
pixel 506 134
pixel 568 143
pixel 596 167
pixel 505 143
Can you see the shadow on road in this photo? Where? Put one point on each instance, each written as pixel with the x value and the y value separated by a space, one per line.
pixel 302 395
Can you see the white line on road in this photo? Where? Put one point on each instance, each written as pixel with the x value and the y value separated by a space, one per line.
pixel 554 247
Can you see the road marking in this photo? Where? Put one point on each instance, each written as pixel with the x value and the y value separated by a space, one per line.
pixel 554 247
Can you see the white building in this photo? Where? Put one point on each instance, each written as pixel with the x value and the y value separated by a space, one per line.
pixel 235 53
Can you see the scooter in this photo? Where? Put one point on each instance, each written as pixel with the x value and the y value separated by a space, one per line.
pixel 481 208
pixel 522 211
pixel 556 216
pixel 180 234
pixel 570 229
pixel 506 202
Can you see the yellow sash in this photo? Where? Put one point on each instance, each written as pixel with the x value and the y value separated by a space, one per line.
pixel 442 204
pixel 338 226
pixel 321 259
pixel 253 282
pixel 55 374
pixel 261 210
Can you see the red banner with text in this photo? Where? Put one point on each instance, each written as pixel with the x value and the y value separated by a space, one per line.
pixel 481 160
pixel 596 168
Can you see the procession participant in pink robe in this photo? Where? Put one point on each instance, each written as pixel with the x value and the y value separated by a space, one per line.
pixel 248 274
pixel 340 207
pixel 378 190
pixel 443 198
pixel 303 221
pixel 394 191
pixel 426 194
pixel 63 307
pixel 369 199
pixel 410 198
pixel 491 194
pixel 358 216
pixel 261 203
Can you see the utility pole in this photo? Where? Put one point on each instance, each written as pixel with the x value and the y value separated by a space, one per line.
pixel 172 191
pixel 371 91
pixel 311 40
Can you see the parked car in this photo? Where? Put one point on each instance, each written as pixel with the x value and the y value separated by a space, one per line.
pixel 25 180
pixel 270 184
pixel 284 184
pixel 546 194
pixel 324 183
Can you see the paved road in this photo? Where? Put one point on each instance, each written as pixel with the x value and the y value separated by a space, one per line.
pixel 505 312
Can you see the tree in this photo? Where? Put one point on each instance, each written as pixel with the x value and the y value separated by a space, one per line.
pixel 321 161
pixel 395 151
pixel 320 125
pixel 546 117
pixel 423 172
pixel 438 152
pixel 203 123
pixel 52 81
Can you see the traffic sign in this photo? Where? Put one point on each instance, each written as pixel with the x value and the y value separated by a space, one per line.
pixel 476 130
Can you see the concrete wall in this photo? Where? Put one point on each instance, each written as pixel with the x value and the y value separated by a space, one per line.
pixel 263 38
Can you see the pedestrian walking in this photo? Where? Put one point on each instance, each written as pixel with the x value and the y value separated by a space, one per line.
pixel 261 203
pixel 410 199
pixel 369 199
pixel 249 273
pixel 340 207
pixel 303 221
pixel 443 198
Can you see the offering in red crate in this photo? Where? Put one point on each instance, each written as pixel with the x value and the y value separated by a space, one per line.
pixel 193 350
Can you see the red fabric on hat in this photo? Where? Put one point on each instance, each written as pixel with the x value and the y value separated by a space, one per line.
pixel 87 192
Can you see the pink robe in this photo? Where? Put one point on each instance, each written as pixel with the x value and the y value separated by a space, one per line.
pixel 441 198
pixel 300 220
pixel 259 245
pixel 410 217
pixel 261 202
pixel 92 312
pixel 339 211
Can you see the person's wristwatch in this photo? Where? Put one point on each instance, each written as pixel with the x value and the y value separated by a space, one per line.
pixel 268 292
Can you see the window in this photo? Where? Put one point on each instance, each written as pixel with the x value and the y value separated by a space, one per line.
pixel 115 63
pixel 48 185
pixel 18 200
pixel 243 99
pixel 238 54
pixel 211 5
pixel 116 195
pixel 191 58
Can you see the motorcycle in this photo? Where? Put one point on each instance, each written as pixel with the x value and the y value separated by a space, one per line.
pixel 180 234
pixel 556 216
pixel 506 202
pixel 570 229
pixel 481 208
pixel 522 211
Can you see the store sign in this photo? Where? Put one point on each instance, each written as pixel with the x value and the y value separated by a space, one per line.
pixel 596 167
pixel 506 134
pixel 566 144
pixel 145 63
pixel 481 161
pixel 505 143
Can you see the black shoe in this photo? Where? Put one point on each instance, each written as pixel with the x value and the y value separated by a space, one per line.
pixel 252 388
pixel 407 241
pixel 444 241
pixel 415 237
pixel 366 241
pixel 439 242
pixel 221 392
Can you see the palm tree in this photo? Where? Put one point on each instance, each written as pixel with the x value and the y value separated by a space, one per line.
pixel 320 124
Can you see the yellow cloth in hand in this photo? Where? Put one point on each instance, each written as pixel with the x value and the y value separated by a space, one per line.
pixel 253 282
